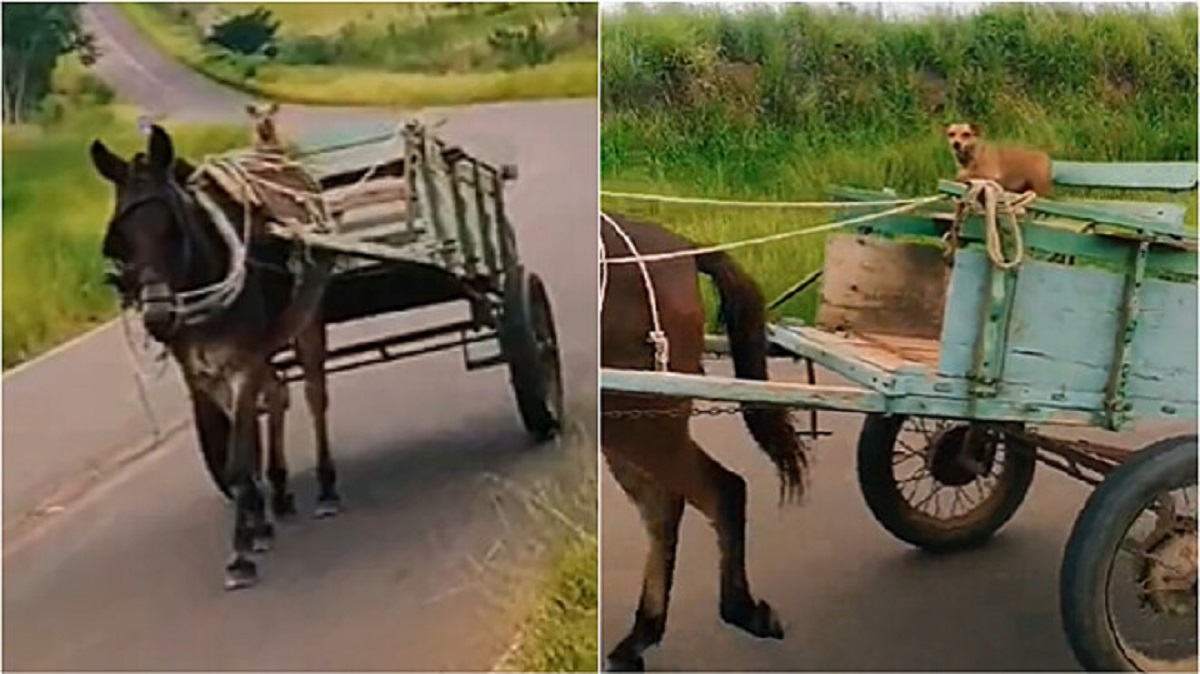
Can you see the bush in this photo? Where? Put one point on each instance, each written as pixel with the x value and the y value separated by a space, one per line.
pixel 308 50
pixel 248 33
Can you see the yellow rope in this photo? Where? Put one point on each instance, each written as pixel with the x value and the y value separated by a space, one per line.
pixel 692 252
pixel 996 201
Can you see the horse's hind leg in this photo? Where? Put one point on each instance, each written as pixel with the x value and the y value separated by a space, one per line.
pixel 721 495
pixel 661 512
pixel 283 503
pixel 310 348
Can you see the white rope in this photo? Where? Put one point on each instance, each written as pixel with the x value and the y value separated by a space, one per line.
pixel 752 204
pixel 603 274
pixel 692 252
pixel 996 199
pixel 139 374
pixel 657 337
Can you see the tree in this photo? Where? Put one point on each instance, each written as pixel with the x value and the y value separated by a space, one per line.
pixel 36 34
pixel 248 33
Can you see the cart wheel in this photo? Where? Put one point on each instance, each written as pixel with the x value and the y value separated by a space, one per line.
pixel 1133 552
pixel 941 485
pixel 530 346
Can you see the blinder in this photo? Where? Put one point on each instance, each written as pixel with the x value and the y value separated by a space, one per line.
pixel 157 300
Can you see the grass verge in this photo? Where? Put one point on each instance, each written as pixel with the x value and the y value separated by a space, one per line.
pixel 781 103
pixel 339 85
pixel 55 208
pixel 558 608
pixel 560 633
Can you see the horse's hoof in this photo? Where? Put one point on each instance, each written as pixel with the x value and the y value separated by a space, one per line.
pixel 757 619
pixel 283 506
pixel 330 506
pixel 240 573
pixel 619 664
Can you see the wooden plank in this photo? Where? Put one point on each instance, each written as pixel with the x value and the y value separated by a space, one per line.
pixel 392 231
pixel 704 387
pixel 876 285
pixel 369 193
pixel 1165 212
pixel 834 353
pixel 1087 213
pixel 1127 175
pixel 1060 336
pixel 363 249
pixel 829 397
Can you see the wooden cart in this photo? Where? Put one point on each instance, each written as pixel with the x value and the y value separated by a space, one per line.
pixel 956 365
pixel 419 222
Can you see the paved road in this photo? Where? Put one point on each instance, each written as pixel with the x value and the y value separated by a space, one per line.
pixel 126 575
pixel 851 596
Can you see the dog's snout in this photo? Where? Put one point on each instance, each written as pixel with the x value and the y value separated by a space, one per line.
pixel 957 145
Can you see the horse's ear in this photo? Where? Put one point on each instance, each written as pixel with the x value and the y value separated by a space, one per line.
pixel 162 151
pixel 109 165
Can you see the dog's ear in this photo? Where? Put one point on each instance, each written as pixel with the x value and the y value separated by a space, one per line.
pixel 976 129
pixel 252 110
pixel 272 108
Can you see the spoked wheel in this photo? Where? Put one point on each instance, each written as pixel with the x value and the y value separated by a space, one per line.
pixel 941 485
pixel 1128 583
pixel 530 344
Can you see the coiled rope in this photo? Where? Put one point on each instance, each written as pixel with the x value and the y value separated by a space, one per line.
pixel 996 201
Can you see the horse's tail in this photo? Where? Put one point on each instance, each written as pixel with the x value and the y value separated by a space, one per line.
pixel 743 313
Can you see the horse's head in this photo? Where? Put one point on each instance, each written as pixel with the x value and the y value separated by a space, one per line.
pixel 150 239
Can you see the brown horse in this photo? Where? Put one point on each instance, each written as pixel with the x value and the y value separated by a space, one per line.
pixel 223 299
pixel 654 458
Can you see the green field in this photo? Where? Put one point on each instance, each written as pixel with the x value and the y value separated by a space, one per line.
pixel 55 209
pixel 783 102
pixel 407 55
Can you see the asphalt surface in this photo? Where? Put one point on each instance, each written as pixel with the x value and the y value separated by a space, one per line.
pixel 852 598
pixel 120 566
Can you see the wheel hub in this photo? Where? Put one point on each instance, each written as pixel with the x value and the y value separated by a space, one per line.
pixel 958 454
pixel 1167 574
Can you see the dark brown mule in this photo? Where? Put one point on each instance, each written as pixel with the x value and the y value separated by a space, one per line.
pixel 175 250
pixel 654 458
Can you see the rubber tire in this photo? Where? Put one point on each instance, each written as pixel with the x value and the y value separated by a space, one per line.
pixel 1164 465
pixel 876 444
pixel 539 416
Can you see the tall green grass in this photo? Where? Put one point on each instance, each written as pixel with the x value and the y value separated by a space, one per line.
pixel 376 54
pixel 55 208
pixel 783 102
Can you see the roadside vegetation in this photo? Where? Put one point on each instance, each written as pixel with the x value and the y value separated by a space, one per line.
pixel 780 103
pixel 559 609
pixel 402 54
pixel 55 207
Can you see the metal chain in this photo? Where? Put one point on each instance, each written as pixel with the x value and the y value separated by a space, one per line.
pixel 695 411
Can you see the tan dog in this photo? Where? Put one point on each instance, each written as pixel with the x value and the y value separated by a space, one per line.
pixel 1015 169
pixel 265 134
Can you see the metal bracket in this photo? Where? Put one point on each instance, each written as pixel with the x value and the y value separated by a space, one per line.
pixel 1116 408
pixel 993 335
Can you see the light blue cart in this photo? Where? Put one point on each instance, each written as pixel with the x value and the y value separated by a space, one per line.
pixel 955 365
